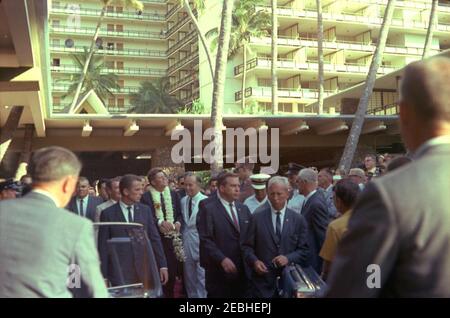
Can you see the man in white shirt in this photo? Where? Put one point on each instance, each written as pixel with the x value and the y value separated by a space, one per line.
pixel 194 275
pixel 112 188
pixel 260 197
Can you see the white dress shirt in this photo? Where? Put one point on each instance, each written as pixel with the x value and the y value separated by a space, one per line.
pixel 252 203
pixel 124 208
pixel 226 205
pixel 296 202
pixel 85 203
pixel 274 217
pixel 195 200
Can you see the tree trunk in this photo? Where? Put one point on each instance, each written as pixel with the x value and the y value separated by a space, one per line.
pixel 202 37
pixel 432 21
pixel 274 58
pixel 320 57
pixel 244 76
pixel 219 86
pixel 358 122
pixel 88 59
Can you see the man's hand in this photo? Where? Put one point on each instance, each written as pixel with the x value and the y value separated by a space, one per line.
pixel 164 275
pixel 228 266
pixel 280 261
pixel 260 268
pixel 166 227
pixel 177 226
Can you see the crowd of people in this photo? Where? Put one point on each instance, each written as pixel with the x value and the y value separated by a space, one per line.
pixel 241 229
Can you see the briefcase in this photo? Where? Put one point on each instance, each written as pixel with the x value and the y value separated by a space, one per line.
pixel 300 282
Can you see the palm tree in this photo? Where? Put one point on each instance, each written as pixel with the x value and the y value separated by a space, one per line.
pixel 219 86
pixel 320 56
pixel 133 3
pixel 94 79
pixel 247 23
pixel 200 6
pixel 154 98
pixel 358 122
pixel 274 58
pixel 432 21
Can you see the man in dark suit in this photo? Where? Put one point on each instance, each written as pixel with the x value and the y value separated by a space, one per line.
pixel 166 210
pixel 128 209
pixel 316 214
pixel 82 203
pixel 222 223
pixel 397 243
pixel 277 236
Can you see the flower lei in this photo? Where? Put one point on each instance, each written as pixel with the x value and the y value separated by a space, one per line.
pixel 167 202
pixel 174 235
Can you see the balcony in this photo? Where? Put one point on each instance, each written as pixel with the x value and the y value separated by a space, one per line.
pixel 172 11
pixel 289 93
pixel 336 45
pixel 179 24
pixel 130 15
pixel 155 1
pixel 132 71
pixel 385 110
pixel 123 52
pixel 124 34
pixel 64 107
pixel 182 63
pixel 311 66
pixel 63 88
pixel 442 7
pixel 188 38
pixel 182 83
pixel 353 18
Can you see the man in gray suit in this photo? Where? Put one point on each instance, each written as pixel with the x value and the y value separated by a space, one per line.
pixel 43 247
pixel 397 244
pixel 277 236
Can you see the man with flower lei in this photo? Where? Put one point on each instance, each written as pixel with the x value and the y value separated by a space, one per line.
pixel 165 206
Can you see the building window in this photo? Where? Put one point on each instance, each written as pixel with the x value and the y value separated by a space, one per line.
pixel 56 100
pixel 109 64
pixel 111 102
pixel 119 46
pixel 56 42
pixel 121 83
pixel 119 9
pixel 56 62
pixel 110 46
pixel 119 65
pixel 119 28
pixel 56 23
pixel 110 27
pixel 110 9
pixel 120 102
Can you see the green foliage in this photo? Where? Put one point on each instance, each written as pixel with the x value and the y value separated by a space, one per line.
pixel 253 108
pixel 197 107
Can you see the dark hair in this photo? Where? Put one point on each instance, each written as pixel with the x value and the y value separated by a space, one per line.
pixel 211 180
pixel 100 182
pixel 83 179
pixel 109 182
pixel 371 156
pixel 347 191
pixel 153 172
pixel 328 172
pixel 425 88
pixel 222 178
pixel 182 176
pixel 397 163
pixel 127 181
pixel 52 164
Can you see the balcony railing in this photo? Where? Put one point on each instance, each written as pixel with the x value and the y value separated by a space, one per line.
pixel 122 52
pixel 191 36
pixel 338 45
pixel 386 110
pixel 119 71
pixel 119 15
pixel 182 82
pixel 172 11
pixel 127 34
pixel 64 88
pixel 405 4
pixel 179 24
pixel 310 65
pixel 181 63
pixel 154 1
pixel 266 92
pixel 64 107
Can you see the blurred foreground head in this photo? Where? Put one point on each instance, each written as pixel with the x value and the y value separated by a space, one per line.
pixel 425 101
pixel 55 170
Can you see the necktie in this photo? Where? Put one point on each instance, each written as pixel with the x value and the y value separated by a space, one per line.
pixel 233 215
pixel 130 216
pixel 190 207
pixel 278 225
pixel 303 205
pixel 81 207
pixel 163 206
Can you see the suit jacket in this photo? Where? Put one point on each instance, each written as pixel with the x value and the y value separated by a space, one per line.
pixel 400 223
pixel 191 240
pixel 38 243
pixel 317 218
pixel 219 239
pixel 131 261
pixel 90 209
pixel 262 244
pixel 147 200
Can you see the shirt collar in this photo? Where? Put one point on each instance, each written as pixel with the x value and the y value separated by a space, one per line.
pixel 441 140
pixel 195 197
pixel 84 199
pixel 330 187
pixel 224 202
pixel 125 206
pixel 48 195
pixel 275 211
pixel 310 195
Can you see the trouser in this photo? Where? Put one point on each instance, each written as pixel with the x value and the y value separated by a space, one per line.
pixel 194 279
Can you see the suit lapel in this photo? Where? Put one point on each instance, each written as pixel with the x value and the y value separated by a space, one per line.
pixel 269 225
pixel 225 213
pixel 137 217
pixel 119 214
pixel 286 225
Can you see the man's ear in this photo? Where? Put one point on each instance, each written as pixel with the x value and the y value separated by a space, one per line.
pixel 69 184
